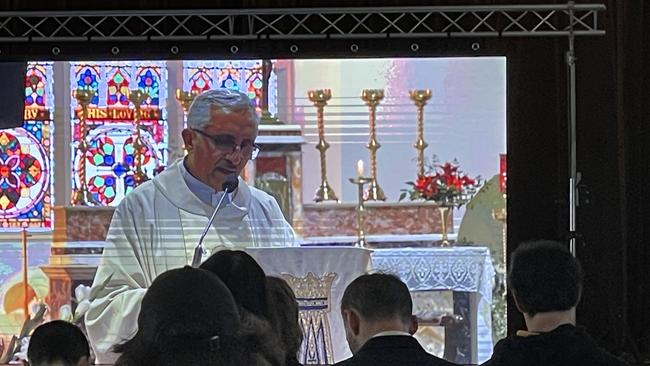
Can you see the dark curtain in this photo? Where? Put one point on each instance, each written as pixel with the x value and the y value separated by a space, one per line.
pixel 613 157
pixel 612 135
pixel 627 42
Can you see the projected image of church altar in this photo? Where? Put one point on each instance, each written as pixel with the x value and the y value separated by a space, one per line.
pixel 439 123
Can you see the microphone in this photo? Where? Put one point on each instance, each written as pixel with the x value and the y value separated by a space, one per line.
pixel 229 185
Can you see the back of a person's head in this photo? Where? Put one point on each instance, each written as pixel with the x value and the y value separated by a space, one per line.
pixel 283 309
pixel 58 343
pixel 243 276
pixel 188 316
pixel 378 297
pixel 544 277
pixel 257 343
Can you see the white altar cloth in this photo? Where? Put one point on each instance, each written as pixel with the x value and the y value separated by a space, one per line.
pixel 459 269
pixel 333 268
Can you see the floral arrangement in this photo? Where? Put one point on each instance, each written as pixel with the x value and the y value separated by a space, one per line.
pixel 84 295
pixel 444 184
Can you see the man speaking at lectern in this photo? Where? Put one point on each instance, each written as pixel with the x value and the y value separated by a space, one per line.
pixel 157 227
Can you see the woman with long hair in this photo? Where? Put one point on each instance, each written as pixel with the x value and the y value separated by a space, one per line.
pixel 284 313
pixel 247 283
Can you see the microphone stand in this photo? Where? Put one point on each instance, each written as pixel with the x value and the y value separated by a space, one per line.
pixel 198 250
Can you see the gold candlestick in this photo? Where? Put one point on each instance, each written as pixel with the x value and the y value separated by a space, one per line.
pixel 420 98
pixel 320 97
pixel 372 97
pixel 444 220
pixel 361 211
pixel 185 98
pixel 136 97
pixel 81 196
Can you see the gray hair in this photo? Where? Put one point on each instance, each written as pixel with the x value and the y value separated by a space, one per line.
pixel 226 100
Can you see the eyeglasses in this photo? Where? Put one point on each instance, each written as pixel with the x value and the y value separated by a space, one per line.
pixel 227 144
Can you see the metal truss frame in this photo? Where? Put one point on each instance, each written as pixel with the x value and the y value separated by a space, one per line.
pixel 302 24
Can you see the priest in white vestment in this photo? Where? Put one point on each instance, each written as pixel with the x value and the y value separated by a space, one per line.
pixel 157 226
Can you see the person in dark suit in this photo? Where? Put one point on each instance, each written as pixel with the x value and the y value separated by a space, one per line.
pixel 546 283
pixel 377 314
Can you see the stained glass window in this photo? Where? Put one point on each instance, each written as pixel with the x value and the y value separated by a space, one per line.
pixel 26 156
pixel 87 77
pixel 109 158
pixel 242 75
pixel 200 79
pixel 118 87
pixel 148 79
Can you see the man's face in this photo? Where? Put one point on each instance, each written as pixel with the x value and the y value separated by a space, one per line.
pixel 221 147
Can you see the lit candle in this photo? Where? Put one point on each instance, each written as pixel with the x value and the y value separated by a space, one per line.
pixel 360 168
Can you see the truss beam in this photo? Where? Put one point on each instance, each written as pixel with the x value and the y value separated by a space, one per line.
pixel 303 24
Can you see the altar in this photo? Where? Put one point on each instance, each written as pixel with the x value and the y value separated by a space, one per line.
pixel 319 272
pixel 322 267
pixel 319 275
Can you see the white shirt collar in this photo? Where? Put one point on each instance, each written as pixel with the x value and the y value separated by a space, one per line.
pixel 201 190
pixel 391 333
pixel 167 183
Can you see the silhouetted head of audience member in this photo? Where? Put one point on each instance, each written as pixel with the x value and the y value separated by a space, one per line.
pixel 243 276
pixel 257 343
pixel 283 309
pixel 375 303
pixel 187 317
pixel 58 343
pixel 544 277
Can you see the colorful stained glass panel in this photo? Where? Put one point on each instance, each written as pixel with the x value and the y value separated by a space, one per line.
pixel 149 80
pixel 118 87
pixel 242 75
pixel 36 85
pixel 26 156
pixel 200 79
pixel 110 156
pixel 87 76
pixel 25 176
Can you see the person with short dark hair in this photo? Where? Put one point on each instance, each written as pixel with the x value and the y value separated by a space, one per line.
pixel 58 343
pixel 284 312
pixel 189 317
pixel 546 283
pixel 377 314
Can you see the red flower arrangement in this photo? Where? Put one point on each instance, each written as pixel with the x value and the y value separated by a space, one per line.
pixel 444 184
